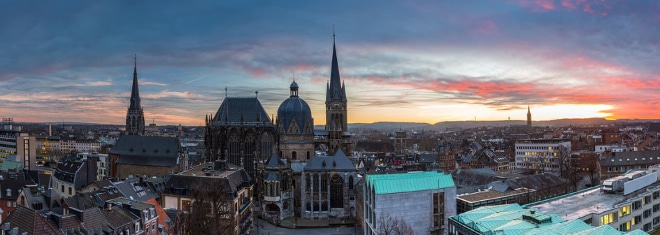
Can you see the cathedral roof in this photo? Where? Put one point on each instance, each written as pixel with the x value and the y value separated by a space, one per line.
pixel 241 109
pixel 338 162
pixel 294 108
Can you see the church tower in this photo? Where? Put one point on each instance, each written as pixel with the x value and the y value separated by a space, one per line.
pixel 336 117
pixel 529 117
pixel 135 114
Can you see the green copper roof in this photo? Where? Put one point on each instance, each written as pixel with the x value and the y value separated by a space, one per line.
pixel 512 219
pixel 409 182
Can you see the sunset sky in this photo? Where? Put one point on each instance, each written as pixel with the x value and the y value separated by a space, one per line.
pixel 412 61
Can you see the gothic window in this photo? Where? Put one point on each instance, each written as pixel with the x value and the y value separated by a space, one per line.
pixel 308 181
pixel 350 182
pixel 285 182
pixel 266 146
pixel 234 147
pixel 324 183
pixel 336 192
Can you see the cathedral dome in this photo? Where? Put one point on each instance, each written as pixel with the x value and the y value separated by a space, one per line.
pixel 294 115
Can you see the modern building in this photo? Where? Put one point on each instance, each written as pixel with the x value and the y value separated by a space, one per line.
pixel 423 200
pixel 493 196
pixel 19 147
pixel 514 219
pixel 541 155
pixel 626 203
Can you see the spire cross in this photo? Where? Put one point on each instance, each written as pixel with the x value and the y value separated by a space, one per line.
pixel 333 33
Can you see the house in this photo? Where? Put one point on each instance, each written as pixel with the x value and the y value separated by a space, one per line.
pixel 73 174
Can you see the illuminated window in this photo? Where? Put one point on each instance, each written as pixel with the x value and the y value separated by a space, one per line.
pixel 606 219
pixel 625 226
pixel 624 211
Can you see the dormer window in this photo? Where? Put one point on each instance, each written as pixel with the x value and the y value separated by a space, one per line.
pixel 8 192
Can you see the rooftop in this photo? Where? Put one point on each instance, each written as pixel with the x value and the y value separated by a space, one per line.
pixel 409 182
pixel 492 194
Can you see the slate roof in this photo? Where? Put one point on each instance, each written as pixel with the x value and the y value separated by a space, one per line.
pixel 29 221
pixel 229 180
pixel 134 189
pixel 650 157
pixel 245 109
pixel 119 217
pixel 93 219
pixel 274 162
pixel 338 162
pixel 147 150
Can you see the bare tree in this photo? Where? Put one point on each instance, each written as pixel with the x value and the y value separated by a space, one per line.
pixel 393 226
pixel 211 210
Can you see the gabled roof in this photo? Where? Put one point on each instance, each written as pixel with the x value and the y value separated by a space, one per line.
pixel 338 162
pixel 147 150
pixel 274 162
pixel 119 217
pixel 409 182
pixel 29 221
pixel 241 109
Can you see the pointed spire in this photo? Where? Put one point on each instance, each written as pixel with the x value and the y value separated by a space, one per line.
pixel 335 91
pixel 135 92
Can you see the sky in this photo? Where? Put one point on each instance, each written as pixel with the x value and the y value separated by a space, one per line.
pixel 406 61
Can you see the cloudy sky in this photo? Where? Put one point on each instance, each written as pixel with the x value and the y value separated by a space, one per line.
pixel 416 61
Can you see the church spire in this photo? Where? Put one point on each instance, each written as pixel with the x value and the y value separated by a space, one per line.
pixel 135 114
pixel 135 92
pixel 335 91
pixel 529 117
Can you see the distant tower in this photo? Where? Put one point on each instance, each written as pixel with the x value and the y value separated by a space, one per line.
pixel 529 117
pixel 135 115
pixel 336 118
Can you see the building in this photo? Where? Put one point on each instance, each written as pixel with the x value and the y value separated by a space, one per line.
pixel 72 174
pixel 626 203
pixel 135 155
pixel 327 187
pixel 541 155
pixel 19 147
pixel 423 200
pixel 135 114
pixel 514 219
pixel 277 196
pixel 79 145
pixel 295 127
pixel 233 186
pixel 614 164
pixel 493 196
pixel 336 111
pixel 529 117
pixel 241 133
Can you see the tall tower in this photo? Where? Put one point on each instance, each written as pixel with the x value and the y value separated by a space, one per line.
pixel 529 117
pixel 336 117
pixel 135 114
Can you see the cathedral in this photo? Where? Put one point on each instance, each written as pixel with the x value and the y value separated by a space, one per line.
pixel 135 114
pixel 291 178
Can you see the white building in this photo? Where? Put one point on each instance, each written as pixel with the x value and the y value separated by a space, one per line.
pixel 423 200
pixel 612 148
pixel 541 154
pixel 633 203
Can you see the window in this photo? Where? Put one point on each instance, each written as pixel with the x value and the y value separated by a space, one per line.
pixel 606 219
pixel 656 194
pixel 636 220
pixel 185 204
pixel 647 227
pixel 647 213
pixel 656 220
pixel 656 207
pixel 623 211
pixel 70 192
pixel 636 205
pixel 624 226
pixel 647 199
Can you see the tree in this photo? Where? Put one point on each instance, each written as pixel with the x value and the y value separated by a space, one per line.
pixel 211 210
pixel 393 226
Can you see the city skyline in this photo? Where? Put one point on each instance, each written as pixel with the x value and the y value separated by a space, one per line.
pixel 425 61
